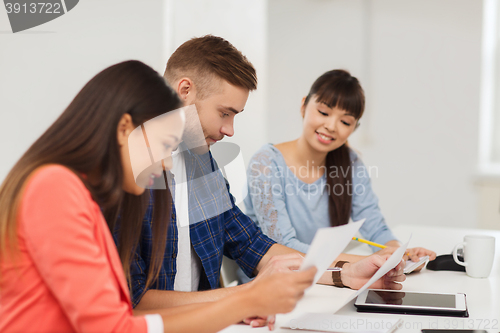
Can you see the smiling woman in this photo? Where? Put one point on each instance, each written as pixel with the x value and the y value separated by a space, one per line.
pixel 317 180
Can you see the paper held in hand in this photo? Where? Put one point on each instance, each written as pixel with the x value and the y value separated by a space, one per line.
pixel 327 244
pixel 321 254
pixel 391 262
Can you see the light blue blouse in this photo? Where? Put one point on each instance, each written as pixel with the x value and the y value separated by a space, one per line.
pixel 290 211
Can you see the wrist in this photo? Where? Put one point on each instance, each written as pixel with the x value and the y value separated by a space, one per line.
pixel 251 297
pixel 245 286
pixel 345 276
pixel 238 306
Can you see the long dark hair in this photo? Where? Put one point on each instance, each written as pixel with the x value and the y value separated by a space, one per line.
pixel 84 139
pixel 338 88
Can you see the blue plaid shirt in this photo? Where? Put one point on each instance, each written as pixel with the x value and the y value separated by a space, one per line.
pixel 230 233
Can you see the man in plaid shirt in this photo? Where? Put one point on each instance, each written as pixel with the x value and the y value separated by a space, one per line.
pixel 209 73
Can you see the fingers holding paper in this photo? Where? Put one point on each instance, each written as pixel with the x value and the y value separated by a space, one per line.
pixel 392 279
pixel 357 274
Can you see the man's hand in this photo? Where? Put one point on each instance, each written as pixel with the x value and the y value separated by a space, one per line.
pixel 280 264
pixel 277 264
pixel 355 275
pixel 278 293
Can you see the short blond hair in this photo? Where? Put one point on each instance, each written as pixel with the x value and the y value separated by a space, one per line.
pixel 205 59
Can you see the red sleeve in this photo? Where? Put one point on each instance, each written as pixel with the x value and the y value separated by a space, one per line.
pixel 60 223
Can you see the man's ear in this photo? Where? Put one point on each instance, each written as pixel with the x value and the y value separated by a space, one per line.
pixel 125 127
pixel 186 90
pixel 303 107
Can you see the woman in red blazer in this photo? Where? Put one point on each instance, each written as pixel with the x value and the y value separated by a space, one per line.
pixel 59 268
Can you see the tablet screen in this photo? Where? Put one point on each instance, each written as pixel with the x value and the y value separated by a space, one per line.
pixel 410 299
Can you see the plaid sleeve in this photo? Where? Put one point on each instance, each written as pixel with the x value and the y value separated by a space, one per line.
pixel 244 241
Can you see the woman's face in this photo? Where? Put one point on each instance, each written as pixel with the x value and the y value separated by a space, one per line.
pixel 324 128
pixel 147 150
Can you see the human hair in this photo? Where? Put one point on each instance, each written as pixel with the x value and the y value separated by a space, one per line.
pixel 84 139
pixel 208 58
pixel 338 88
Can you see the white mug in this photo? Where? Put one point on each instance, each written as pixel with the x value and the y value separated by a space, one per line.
pixel 479 252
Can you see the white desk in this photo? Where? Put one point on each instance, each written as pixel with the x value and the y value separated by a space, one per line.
pixel 483 295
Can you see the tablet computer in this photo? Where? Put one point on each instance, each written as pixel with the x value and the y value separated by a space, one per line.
pixel 404 302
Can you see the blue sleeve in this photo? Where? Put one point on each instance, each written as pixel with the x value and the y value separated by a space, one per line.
pixel 266 200
pixel 244 241
pixel 365 205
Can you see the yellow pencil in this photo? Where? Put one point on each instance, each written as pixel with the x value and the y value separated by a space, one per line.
pixel 361 240
pixel 368 242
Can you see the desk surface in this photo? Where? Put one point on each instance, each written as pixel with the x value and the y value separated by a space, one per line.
pixel 483 295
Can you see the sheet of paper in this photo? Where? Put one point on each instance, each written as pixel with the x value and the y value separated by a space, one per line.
pixel 325 322
pixel 391 262
pixel 327 244
pixel 412 265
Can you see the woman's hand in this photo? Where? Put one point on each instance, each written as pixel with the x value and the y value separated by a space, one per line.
pixel 355 275
pixel 415 253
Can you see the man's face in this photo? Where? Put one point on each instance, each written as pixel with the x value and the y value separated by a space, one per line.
pixel 216 114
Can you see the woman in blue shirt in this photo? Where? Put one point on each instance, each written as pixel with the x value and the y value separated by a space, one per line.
pixel 316 180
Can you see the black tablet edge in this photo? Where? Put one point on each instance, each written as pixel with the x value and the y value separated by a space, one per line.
pixel 364 308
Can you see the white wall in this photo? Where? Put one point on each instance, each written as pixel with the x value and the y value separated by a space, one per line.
pixel 425 77
pixel 42 69
pixel 244 24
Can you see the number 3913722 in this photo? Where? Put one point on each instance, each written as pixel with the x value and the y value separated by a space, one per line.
pixel 33 8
